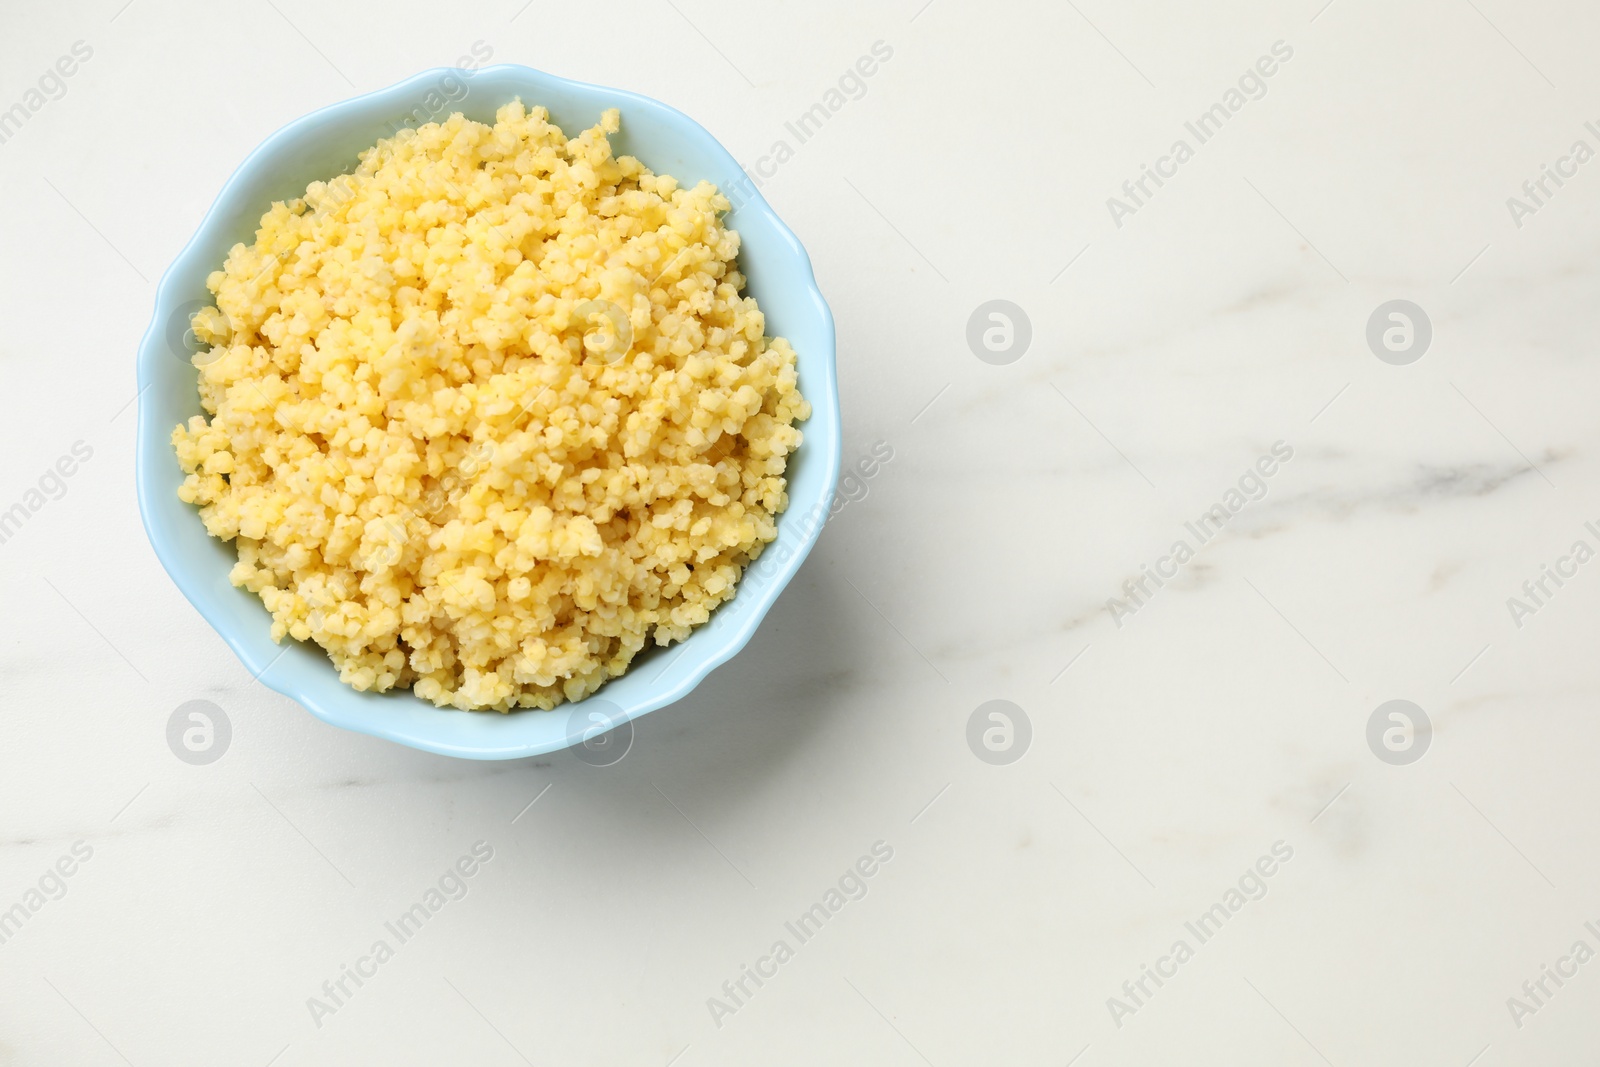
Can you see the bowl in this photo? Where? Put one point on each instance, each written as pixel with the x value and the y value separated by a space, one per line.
pixel 325 143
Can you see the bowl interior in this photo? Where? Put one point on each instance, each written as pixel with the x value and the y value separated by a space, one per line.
pixel 326 143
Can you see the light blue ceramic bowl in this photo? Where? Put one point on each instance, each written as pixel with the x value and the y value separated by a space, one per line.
pixel 325 143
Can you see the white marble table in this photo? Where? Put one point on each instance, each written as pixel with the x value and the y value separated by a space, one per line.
pixel 1196 792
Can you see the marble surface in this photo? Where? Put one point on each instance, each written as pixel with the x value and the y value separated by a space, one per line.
pixel 1195 768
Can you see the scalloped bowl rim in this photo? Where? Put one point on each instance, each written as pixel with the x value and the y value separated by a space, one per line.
pixel 444 731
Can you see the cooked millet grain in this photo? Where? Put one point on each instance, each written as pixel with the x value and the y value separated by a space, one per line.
pixel 489 414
